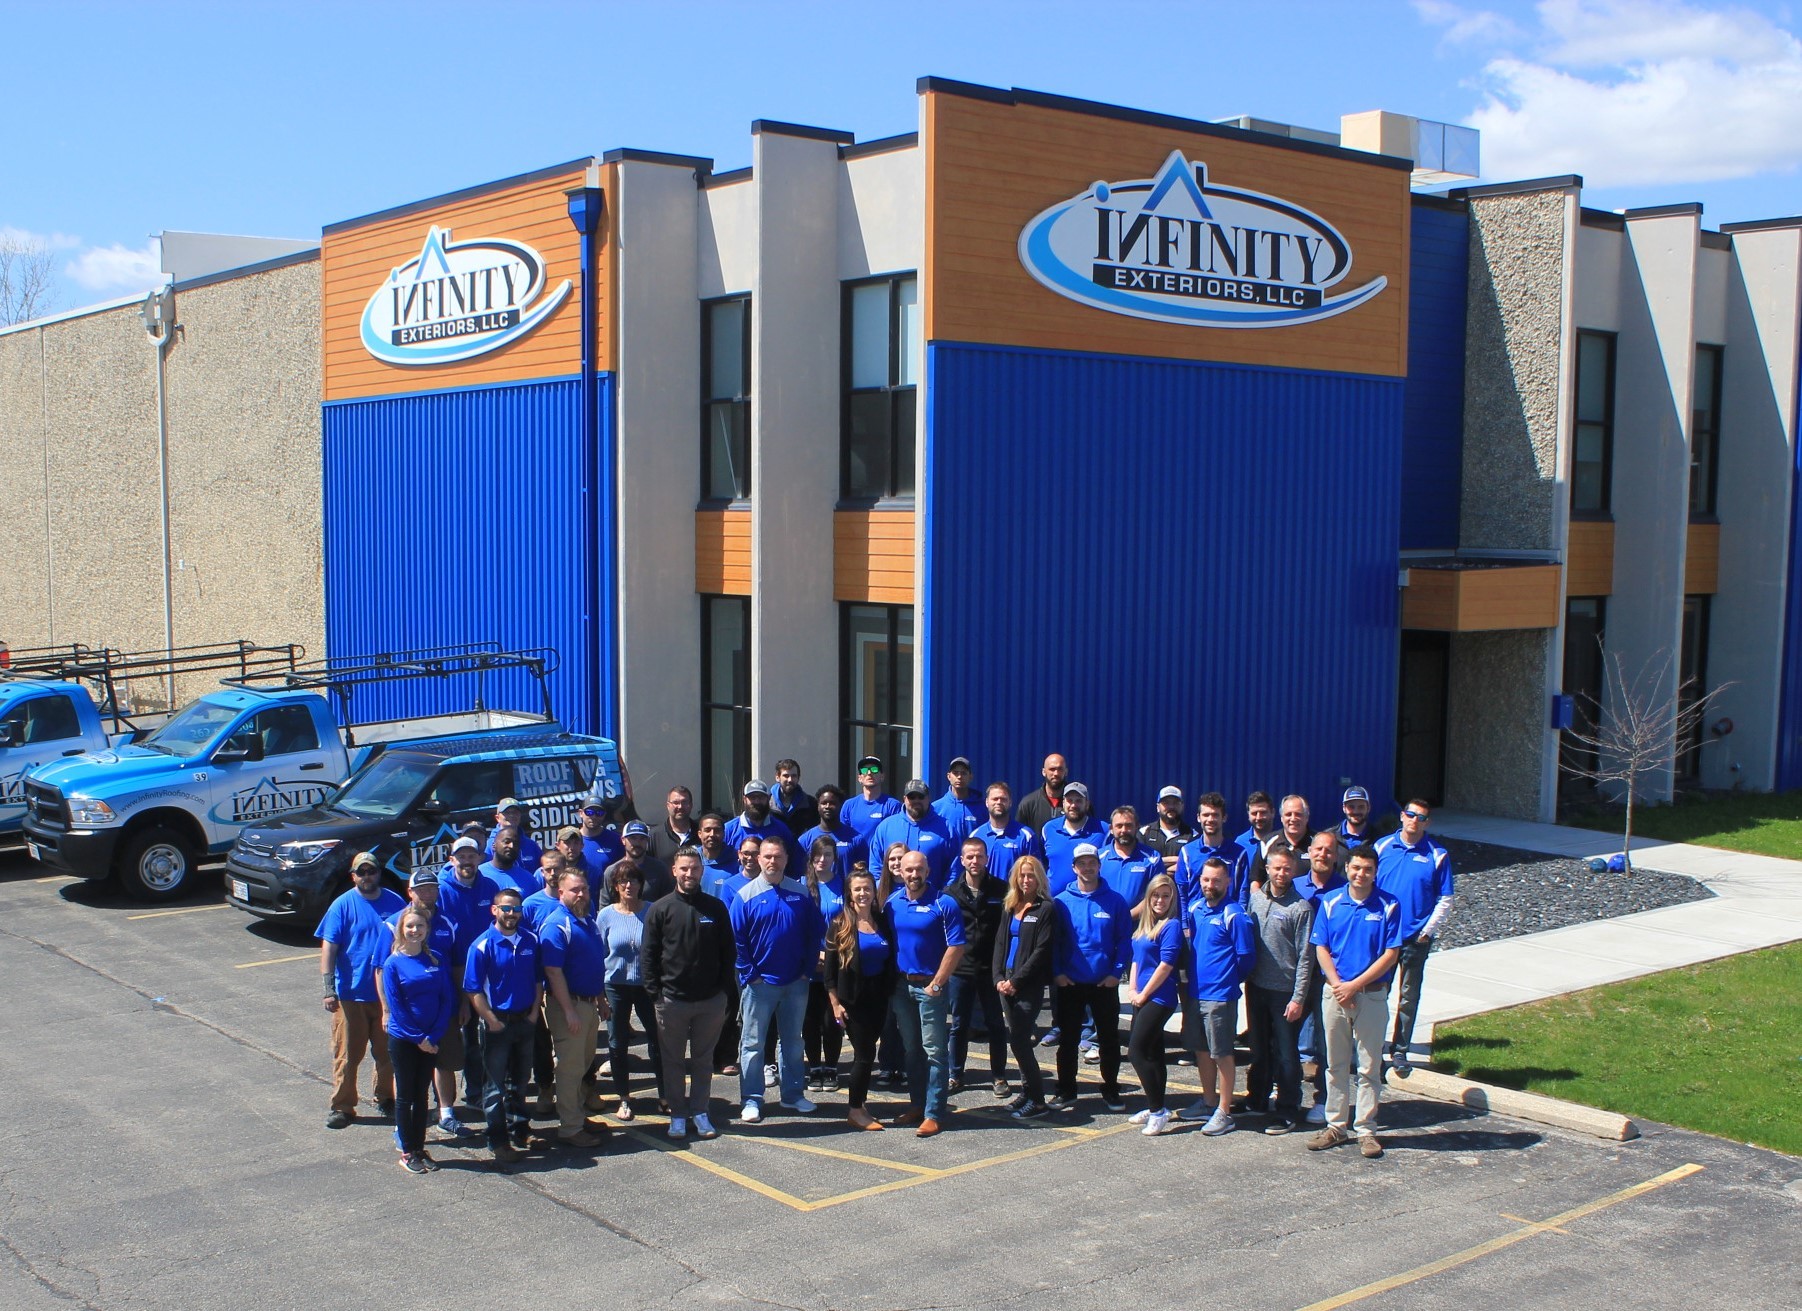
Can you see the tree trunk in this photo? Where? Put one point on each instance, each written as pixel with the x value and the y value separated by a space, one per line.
pixel 1627 838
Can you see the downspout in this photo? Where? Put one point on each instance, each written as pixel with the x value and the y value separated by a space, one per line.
pixel 158 313
pixel 587 208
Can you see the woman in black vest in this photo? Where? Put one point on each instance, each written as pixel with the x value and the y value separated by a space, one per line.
pixel 860 979
pixel 1025 947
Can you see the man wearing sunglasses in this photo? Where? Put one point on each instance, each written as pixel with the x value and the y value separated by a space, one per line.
pixel 601 846
pixel 501 978
pixel 1417 872
pixel 354 940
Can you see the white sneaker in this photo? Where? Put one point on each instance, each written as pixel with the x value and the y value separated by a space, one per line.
pixel 1139 1117
pixel 1316 1113
pixel 678 1128
pixel 1157 1124
pixel 750 1113
pixel 1218 1123
pixel 1199 1109
pixel 800 1105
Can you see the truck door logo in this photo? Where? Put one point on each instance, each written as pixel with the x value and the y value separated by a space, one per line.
pixel 275 797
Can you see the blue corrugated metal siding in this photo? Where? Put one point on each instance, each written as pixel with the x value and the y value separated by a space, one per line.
pixel 1171 572
pixel 1433 405
pixel 454 517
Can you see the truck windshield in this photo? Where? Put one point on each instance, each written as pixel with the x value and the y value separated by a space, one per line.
pixel 189 732
pixel 384 788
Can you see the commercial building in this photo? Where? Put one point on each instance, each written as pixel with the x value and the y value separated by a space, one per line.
pixel 1210 453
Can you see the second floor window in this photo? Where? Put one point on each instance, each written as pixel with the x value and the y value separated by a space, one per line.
pixel 1705 432
pixel 1592 458
pixel 882 375
pixel 726 399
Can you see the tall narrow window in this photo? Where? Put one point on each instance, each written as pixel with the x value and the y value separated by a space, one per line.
pixel 1692 681
pixel 726 399
pixel 1592 456
pixel 1705 432
pixel 882 374
pixel 725 700
pixel 876 687
pixel 1584 620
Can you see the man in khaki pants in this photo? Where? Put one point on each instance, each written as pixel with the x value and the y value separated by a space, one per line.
pixel 1357 938
pixel 575 975
pixel 354 940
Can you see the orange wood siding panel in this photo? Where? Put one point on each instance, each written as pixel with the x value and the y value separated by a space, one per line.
pixel 356 262
pixel 723 552
pixel 991 167
pixel 1702 561
pixel 1589 558
pixel 873 556
pixel 1481 600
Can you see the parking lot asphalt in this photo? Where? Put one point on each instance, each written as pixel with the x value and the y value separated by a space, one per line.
pixel 162 1145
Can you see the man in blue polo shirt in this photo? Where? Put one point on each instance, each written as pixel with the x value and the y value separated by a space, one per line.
pixel 1093 949
pixel 960 807
pixel 827 802
pixel 1355 830
pixel 1222 950
pixel 1061 836
pixel 509 812
pixel 575 978
pixel 1211 843
pixel 1127 864
pixel 1357 937
pixel 507 867
pixel 501 978
pixel 929 944
pixel 719 861
pixel 871 805
pixel 1006 838
pixel 779 933
pixel 354 940
pixel 1323 876
pixel 1260 814
pixel 467 896
pixel 1417 872
pixel 918 828
pixel 758 821
pixel 601 846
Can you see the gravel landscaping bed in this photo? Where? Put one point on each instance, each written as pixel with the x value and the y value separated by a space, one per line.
pixel 1503 893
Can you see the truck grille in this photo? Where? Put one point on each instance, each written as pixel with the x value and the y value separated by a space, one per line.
pixel 45 805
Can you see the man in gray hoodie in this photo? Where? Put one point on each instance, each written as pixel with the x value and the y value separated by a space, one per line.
pixel 1277 999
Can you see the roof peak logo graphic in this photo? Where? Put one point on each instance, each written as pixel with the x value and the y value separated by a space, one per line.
pixel 1176 248
pixel 458 299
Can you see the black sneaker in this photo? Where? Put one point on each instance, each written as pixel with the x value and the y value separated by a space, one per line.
pixel 1015 1102
pixel 385 1107
pixel 1279 1124
pixel 1113 1101
pixel 423 1155
pixel 1030 1110
pixel 954 1087
pixel 999 1088
pixel 413 1163
pixel 340 1119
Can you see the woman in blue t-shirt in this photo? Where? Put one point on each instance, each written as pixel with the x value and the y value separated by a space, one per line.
pixel 1157 949
pixel 419 1004
pixel 621 927
pixel 820 1033
pixel 860 979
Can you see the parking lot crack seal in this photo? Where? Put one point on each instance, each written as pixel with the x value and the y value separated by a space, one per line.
pixel 44 1281
pixel 575 1208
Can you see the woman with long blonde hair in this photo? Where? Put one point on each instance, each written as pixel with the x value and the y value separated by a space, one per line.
pixel 1157 946
pixel 1025 949
pixel 420 1004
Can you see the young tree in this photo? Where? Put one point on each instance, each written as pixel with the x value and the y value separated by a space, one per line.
pixel 27 279
pixel 1638 728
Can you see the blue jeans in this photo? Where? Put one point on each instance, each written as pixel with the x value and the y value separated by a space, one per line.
pixel 967 995
pixel 924 1022
pixel 507 1063
pixel 759 1004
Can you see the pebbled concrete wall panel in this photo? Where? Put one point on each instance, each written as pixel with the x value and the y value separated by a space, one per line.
pixel 1496 705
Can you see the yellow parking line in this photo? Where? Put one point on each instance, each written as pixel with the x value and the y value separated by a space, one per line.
pixel 904 1166
pixel 712 1167
pixel 1528 1229
pixel 279 960
pixel 187 910
pixel 56 878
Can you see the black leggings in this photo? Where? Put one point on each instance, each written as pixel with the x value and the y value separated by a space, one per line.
pixel 864 1019
pixel 820 1033
pixel 1022 1017
pixel 1145 1045
pixel 412 1088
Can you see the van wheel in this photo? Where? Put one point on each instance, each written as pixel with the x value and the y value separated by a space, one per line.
pixel 156 864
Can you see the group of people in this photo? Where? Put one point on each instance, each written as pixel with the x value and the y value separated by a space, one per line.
pixel 756 946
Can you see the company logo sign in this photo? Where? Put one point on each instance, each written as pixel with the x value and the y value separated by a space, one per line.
pixel 1178 249
pixel 457 300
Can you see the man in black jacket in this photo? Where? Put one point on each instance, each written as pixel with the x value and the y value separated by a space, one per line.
pixel 688 959
pixel 980 899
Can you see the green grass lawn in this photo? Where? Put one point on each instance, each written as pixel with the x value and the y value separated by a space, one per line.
pixel 1768 823
pixel 1713 1047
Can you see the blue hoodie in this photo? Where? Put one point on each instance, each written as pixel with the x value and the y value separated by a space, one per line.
pixel 1097 933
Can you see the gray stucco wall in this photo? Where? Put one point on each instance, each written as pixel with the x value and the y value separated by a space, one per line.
pixel 1495 707
pixel 78 447
pixel 1512 367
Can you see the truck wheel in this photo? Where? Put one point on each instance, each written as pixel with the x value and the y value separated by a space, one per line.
pixel 156 864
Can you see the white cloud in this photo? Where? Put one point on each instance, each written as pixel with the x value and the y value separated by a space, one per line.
pixel 10 235
pixel 1633 92
pixel 1467 26
pixel 116 270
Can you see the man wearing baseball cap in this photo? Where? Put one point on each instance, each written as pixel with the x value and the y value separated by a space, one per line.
pixel 512 811
pixel 467 896
pixel 758 821
pixel 918 828
pixel 1355 829
pixel 354 940
pixel 1093 948
pixel 961 808
pixel 654 879
pixel 871 805
pixel 1169 831
pixel 1068 831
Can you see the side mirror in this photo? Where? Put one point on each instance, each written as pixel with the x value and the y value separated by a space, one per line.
pixel 432 808
pixel 237 750
pixel 6 735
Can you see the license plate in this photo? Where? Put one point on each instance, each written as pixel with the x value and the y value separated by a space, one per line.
pixel 36 854
pixel 240 889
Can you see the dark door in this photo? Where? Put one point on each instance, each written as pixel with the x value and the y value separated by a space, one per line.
pixel 1420 730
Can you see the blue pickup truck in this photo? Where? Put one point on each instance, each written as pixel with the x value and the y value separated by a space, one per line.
pixel 259 748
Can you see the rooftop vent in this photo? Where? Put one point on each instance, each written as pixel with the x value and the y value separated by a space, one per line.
pixel 1443 153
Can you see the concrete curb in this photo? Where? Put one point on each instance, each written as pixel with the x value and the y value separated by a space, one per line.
pixel 1520 1105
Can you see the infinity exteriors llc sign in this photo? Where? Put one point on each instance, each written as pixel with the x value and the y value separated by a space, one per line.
pixel 1178 249
pixel 457 300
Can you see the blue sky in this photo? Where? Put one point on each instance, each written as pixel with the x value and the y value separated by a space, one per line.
pixel 274 119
